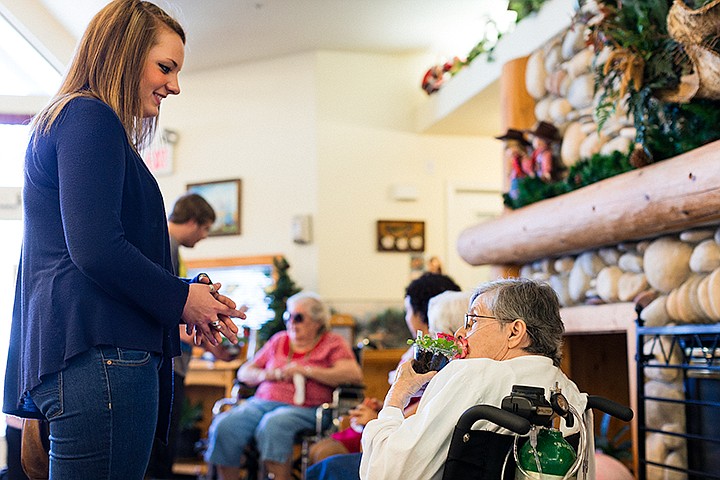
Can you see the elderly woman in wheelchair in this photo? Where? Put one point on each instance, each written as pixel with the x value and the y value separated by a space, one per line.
pixel 512 335
pixel 295 371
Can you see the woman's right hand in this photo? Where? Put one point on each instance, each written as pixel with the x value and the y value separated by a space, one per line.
pixel 205 306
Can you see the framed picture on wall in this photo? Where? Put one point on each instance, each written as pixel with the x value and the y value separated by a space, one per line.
pixel 224 196
pixel 400 236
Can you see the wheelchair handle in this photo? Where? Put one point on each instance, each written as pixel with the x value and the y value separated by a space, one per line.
pixel 503 418
pixel 608 406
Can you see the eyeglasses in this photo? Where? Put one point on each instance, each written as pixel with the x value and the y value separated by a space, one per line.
pixel 295 318
pixel 471 319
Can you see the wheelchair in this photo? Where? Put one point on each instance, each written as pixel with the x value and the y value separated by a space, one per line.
pixel 485 455
pixel 328 417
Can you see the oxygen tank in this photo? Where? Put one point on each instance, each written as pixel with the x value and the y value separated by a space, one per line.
pixel 553 453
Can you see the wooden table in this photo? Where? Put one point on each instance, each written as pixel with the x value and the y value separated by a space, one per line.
pixel 376 365
pixel 207 381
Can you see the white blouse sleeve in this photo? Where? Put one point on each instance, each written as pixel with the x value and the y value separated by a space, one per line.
pixel 416 447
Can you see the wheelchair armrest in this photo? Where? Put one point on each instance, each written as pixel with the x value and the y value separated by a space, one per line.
pixel 610 407
pixel 503 418
pixel 220 405
pixel 345 396
pixel 239 392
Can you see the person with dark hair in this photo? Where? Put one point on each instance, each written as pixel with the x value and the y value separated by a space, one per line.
pixel 338 457
pixel 188 223
pixel 417 297
pixel 97 304
pixel 512 335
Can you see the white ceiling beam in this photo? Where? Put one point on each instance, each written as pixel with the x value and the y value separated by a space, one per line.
pixel 41 29
pixel 25 105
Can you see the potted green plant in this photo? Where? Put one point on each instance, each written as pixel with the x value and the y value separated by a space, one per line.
pixel 433 353
pixel 189 431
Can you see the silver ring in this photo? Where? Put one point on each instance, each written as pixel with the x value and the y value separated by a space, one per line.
pixel 216 324
pixel 212 288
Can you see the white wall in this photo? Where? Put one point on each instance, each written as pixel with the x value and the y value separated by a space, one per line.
pixel 325 134
pixel 255 122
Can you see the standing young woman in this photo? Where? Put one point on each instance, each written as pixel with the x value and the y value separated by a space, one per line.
pixel 97 307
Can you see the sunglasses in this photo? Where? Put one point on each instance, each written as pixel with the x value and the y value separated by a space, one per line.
pixel 295 318
pixel 471 319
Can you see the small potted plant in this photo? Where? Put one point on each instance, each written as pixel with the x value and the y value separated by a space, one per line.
pixel 189 430
pixel 433 353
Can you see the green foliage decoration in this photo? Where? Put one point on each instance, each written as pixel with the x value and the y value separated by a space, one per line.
pixel 525 8
pixel 533 189
pixel 491 35
pixel 278 294
pixel 676 128
pixel 644 64
pixel 584 172
pixel 190 415
pixel 387 328
pixel 598 167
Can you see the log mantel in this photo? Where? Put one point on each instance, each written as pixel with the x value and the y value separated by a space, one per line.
pixel 669 196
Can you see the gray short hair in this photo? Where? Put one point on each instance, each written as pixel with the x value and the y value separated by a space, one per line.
pixel 534 302
pixel 319 312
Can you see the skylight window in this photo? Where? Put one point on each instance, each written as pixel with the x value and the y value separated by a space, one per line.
pixel 24 71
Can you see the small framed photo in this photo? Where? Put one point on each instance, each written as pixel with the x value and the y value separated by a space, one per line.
pixel 400 236
pixel 225 198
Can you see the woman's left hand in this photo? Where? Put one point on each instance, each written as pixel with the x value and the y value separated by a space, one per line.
pixel 407 383
pixel 287 371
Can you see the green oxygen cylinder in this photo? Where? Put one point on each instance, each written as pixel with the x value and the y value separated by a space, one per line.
pixel 552 458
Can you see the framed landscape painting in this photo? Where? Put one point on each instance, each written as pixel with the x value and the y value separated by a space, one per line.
pixel 224 196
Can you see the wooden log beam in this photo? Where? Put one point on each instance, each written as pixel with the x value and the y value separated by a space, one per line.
pixel 669 196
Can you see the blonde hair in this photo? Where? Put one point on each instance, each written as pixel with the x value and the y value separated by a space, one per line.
pixel 318 310
pixel 108 64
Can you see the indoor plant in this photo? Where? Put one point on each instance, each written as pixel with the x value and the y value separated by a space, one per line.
pixel 433 353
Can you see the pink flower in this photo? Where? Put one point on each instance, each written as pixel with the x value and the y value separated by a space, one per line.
pixel 462 343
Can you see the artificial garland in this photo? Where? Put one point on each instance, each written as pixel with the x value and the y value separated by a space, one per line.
pixel 584 172
pixel 437 75
pixel 644 64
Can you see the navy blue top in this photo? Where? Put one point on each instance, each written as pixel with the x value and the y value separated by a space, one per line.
pixel 95 266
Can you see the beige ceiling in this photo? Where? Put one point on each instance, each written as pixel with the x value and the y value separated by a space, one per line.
pixel 222 32
pixel 226 32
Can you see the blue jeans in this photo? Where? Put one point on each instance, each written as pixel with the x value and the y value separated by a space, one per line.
pixel 273 425
pixel 102 410
pixel 336 467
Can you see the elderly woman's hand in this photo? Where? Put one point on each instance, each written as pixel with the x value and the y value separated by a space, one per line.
pixel 407 383
pixel 286 372
pixel 362 414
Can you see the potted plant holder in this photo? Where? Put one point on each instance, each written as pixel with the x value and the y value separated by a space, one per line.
pixel 433 353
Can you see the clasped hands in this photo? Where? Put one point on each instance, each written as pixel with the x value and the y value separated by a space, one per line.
pixel 208 313
pixel 285 372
